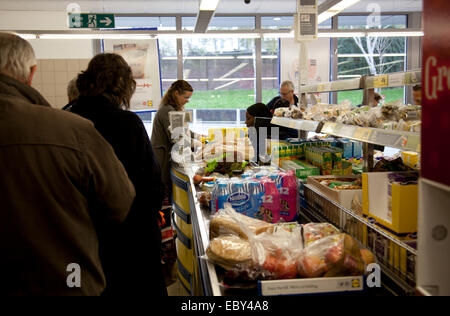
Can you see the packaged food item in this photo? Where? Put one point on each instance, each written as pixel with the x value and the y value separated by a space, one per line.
pixel 316 231
pixel 229 250
pixel 288 196
pixel 278 252
pixel 331 256
pixel 228 221
pixel 269 211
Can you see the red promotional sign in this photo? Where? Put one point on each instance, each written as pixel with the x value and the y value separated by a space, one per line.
pixel 436 92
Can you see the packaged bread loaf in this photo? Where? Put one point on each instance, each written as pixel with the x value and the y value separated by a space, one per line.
pixel 229 250
pixel 224 223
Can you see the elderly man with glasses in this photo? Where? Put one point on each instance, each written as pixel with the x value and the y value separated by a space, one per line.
pixel 286 93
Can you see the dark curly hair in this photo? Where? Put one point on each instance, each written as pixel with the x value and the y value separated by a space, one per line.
pixel 108 74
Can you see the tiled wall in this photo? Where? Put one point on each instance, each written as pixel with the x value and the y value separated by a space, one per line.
pixel 52 77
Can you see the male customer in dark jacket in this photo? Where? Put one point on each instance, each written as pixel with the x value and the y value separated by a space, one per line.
pixel 286 93
pixel 131 254
pixel 60 180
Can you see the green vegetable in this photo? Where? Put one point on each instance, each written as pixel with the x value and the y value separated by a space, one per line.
pixel 211 166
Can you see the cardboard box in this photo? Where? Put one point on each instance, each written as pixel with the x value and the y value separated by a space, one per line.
pixel 343 197
pixel 391 206
pixel 410 158
pixel 302 169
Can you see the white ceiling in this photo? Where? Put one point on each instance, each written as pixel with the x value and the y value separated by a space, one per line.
pixel 191 6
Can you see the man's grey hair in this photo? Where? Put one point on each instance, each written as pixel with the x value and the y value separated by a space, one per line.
pixel 16 56
pixel 72 90
pixel 289 84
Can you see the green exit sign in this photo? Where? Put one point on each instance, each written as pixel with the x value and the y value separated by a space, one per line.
pixel 91 21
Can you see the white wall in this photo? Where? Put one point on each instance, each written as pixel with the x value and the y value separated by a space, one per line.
pixel 318 62
pixel 62 49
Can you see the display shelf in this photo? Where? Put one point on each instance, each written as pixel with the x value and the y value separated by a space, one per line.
pixel 408 141
pixel 393 80
pixel 340 85
pixel 310 126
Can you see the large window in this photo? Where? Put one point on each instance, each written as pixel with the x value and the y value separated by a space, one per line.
pixel 270 68
pixel 168 62
pixel 221 71
pixel 359 56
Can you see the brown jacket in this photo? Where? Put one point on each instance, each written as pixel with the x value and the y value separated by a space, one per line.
pixel 60 183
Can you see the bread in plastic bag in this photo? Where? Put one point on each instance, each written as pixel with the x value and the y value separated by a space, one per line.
pixel 332 256
pixel 229 250
pixel 228 221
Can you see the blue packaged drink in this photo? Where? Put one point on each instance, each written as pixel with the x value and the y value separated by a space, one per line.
pixel 239 198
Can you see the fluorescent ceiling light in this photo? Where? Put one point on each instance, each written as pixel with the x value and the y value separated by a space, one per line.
pixel 209 5
pixel 336 7
pixel 208 57
pixel 27 36
pixel 341 34
pixel 279 35
pixel 396 34
pixel 96 36
pixel 208 35
pixel 371 55
pixel 277 19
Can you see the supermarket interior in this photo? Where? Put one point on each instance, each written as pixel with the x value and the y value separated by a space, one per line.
pixel 288 147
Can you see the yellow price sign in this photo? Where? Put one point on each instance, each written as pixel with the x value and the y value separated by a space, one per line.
pixel 362 134
pixel 320 87
pixel 380 81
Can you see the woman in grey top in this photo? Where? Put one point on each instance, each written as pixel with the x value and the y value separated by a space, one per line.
pixel 173 100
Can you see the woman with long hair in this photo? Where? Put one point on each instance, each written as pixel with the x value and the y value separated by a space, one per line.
pixel 174 99
pixel 130 253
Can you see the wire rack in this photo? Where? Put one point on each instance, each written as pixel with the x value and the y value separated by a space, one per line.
pixel 397 258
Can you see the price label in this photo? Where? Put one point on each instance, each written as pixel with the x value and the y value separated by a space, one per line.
pixel 412 78
pixel 320 87
pixel 380 81
pixel 397 80
pixel 362 134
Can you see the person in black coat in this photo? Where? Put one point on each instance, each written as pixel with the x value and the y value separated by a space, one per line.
pixel 130 253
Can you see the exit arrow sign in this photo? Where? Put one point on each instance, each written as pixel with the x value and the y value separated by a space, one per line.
pixel 91 21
